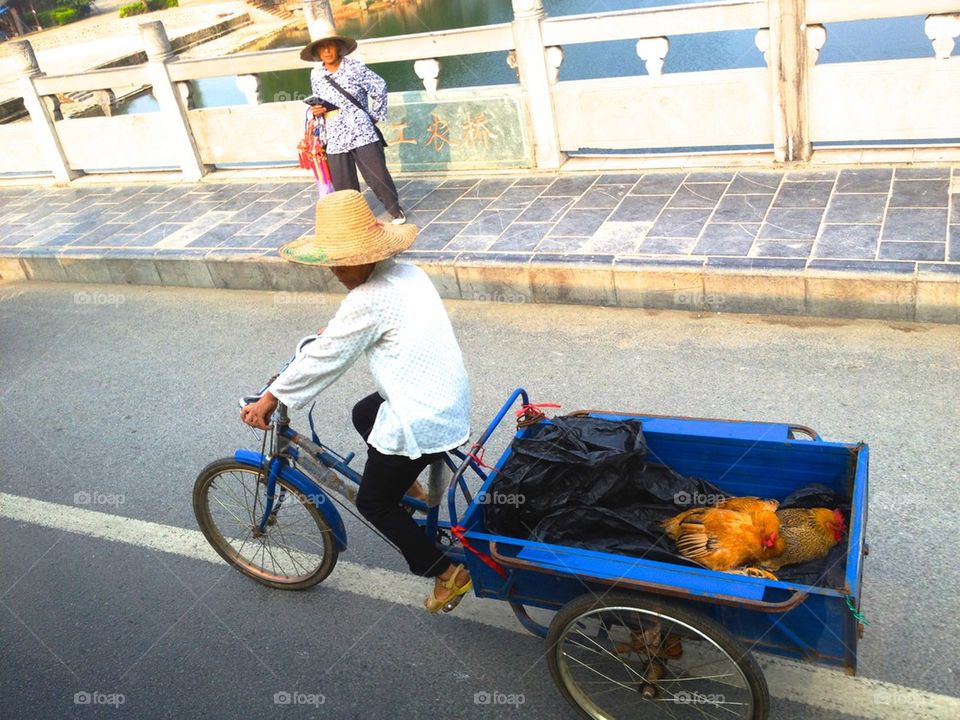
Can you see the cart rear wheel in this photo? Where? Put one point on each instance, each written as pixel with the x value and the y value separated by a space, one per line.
pixel 626 655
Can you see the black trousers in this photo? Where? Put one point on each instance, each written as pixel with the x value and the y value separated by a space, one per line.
pixel 373 166
pixel 385 481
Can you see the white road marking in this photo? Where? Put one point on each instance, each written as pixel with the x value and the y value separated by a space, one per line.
pixel 811 685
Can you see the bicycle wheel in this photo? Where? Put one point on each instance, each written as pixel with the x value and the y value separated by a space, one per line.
pixel 625 655
pixel 295 551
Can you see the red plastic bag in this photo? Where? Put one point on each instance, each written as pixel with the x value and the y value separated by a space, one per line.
pixel 313 156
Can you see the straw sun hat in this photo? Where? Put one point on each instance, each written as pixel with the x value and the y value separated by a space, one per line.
pixel 347 233
pixel 327 31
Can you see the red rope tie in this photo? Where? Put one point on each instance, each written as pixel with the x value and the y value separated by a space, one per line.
pixel 530 413
pixel 459 532
pixel 478 457
pixel 534 406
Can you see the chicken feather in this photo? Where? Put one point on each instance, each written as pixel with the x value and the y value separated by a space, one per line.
pixel 725 539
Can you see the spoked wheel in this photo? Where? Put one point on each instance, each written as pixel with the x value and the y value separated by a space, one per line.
pixel 296 549
pixel 626 655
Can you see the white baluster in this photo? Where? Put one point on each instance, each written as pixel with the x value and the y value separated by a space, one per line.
pixel 250 87
pixel 554 56
pixel 762 41
pixel 816 39
pixel 52 103
pixel 653 51
pixel 185 90
pixel 512 62
pixel 107 101
pixel 428 71
pixel 528 7
pixel 943 31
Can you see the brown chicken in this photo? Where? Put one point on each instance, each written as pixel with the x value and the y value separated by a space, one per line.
pixel 735 533
pixel 750 505
pixel 808 534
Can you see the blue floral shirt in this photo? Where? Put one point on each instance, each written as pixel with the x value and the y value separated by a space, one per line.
pixel 351 127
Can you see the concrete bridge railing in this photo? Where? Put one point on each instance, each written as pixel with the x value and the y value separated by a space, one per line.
pixel 790 111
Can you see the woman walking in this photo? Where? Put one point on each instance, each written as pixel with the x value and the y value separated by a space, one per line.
pixel 353 139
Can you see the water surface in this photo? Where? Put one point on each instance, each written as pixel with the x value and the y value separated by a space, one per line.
pixel 846 42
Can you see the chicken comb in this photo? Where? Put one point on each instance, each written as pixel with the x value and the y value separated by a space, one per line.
pixel 841 521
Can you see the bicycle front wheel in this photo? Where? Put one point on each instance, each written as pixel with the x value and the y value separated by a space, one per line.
pixel 295 550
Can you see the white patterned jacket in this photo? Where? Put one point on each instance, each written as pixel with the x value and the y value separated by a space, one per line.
pixel 397 319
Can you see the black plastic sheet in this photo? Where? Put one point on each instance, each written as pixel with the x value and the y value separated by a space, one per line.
pixel 585 482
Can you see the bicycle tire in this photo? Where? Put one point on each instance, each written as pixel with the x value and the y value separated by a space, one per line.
pixel 215 536
pixel 692 622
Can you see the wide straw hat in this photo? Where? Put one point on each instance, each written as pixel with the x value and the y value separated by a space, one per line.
pixel 327 32
pixel 347 233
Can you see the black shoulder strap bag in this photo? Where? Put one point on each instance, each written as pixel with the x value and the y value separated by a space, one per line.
pixel 352 99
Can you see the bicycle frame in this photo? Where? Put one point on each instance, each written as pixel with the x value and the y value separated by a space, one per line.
pixel 316 472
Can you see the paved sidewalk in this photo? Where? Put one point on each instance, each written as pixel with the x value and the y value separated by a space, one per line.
pixel 877 242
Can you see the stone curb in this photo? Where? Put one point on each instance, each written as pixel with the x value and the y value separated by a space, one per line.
pixel 923 296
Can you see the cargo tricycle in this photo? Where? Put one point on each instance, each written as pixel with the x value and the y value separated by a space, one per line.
pixel 629 637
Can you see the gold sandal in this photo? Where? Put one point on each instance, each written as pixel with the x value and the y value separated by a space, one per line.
pixel 434 604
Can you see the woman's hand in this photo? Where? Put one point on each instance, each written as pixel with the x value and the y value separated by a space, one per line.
pixel 258 414
pixel 317 110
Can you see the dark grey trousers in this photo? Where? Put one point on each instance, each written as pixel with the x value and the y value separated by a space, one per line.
pixel 373 166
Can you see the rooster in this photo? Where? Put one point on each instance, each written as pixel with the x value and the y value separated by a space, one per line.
pixel 753 506
pixel 808 534
pixel 734 533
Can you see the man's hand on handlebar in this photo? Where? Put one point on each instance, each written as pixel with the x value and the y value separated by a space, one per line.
pixel 258 414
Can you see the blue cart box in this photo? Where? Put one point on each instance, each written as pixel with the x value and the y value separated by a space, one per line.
pixel 811 623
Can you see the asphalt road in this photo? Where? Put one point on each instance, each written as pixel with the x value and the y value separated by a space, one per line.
pixel 125 393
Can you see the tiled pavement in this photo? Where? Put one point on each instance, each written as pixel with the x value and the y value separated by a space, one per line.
pixel 900 221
